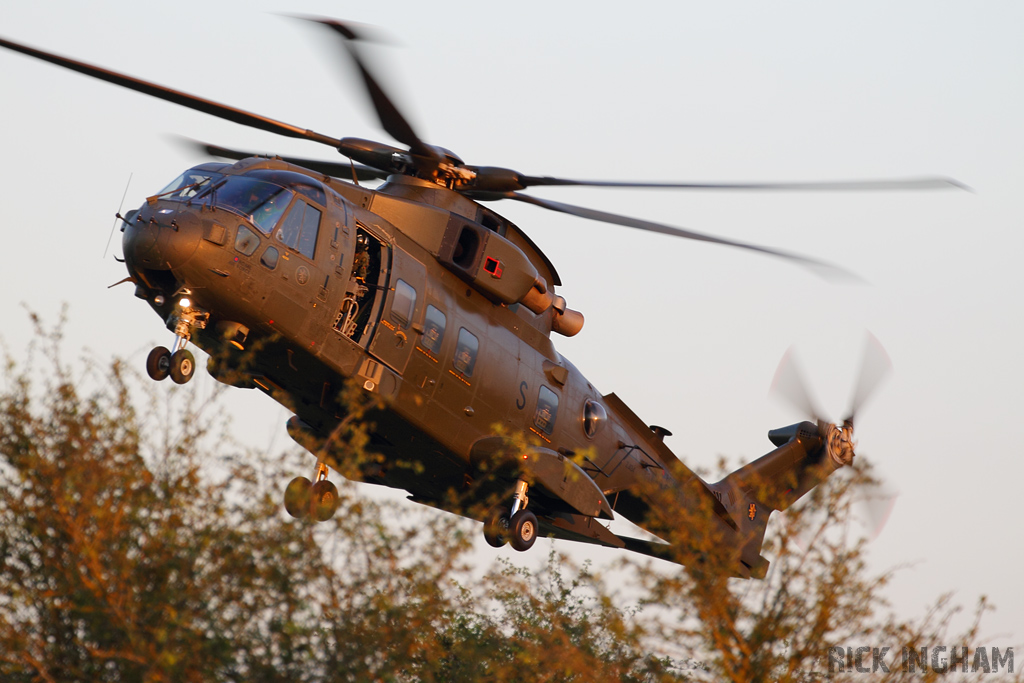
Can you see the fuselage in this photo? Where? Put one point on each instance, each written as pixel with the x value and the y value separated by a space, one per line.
pixel 451 364
pixel 325 282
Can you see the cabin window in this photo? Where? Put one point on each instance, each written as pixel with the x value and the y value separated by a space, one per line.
pixel 246 240
pixel 433 330
pixel 594 415
pixel 403 303
pixel 299 228
pixel 465 352
pixel 269 258
pixel 547 410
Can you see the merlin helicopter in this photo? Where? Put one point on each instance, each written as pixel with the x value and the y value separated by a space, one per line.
pixel 444 310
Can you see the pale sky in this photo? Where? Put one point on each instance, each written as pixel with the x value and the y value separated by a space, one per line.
pixel 688 334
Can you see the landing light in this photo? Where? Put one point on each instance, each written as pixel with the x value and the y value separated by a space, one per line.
pixel 185 302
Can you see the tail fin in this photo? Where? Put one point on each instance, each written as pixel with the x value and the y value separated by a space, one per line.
pixel 773 482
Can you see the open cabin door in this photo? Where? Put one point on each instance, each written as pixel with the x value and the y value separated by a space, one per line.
pixel 394 338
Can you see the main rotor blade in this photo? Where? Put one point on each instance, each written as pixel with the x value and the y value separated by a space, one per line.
pixel 337 169
pixel 923 183
pixel 184 99
pixel 790 385
pixel 820 267
pixel 390 117
pixel 874 367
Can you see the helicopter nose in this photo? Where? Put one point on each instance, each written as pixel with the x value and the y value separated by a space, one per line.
pixel 161 237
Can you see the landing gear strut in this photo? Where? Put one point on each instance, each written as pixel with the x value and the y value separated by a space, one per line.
pixel 178 363
pixel 518 527
pixel 317 500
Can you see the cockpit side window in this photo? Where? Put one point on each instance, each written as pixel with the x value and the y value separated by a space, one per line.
pixel 267 214
pixel 299 228
pixel 246 241
pixel 269 258
pixel 310 228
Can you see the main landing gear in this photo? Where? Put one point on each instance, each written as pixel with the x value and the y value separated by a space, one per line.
pixel 317 500
pixel 178 363
pixel 518 527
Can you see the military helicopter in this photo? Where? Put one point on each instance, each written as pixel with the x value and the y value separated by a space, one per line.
pixel 443 309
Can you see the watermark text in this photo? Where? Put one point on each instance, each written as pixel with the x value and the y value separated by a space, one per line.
pixel 940 659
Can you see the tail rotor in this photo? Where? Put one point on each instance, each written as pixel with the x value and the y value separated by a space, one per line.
pixel 875 499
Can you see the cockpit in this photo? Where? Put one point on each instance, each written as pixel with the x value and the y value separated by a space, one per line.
pixel 262 196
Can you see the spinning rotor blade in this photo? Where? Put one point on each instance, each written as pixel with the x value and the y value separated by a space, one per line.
pixel 630 222
pixel 876 502
pixel 184 99
pixel 874 367
pixel 789 384
pixel 924 183
pixel 337 169
pixel 390 117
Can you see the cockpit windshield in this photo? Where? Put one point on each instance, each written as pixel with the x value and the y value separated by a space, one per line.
pixel 191 182
pixel 260 195
pixel 261 202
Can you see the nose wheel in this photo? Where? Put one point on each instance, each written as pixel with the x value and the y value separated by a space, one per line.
pixel 316 500
pixel 179 366
pixel 517 527
pixel 178 363
pixel 158 363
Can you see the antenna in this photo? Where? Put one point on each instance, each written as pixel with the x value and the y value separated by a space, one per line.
pixel 117 216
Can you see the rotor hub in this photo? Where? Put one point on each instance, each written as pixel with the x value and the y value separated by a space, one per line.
pixel 840 445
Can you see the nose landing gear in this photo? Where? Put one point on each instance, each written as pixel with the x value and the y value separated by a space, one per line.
pixel 518 527
pixel 178 363
pixel 317 500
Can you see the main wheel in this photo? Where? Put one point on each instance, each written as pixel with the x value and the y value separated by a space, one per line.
pixel 496 527
pixel 158 363
pixel 523 530
pixel 183 366
pixel 323 500
pixel 296 497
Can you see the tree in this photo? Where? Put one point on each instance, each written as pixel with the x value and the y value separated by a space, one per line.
pixel 140 544
pixel 817 597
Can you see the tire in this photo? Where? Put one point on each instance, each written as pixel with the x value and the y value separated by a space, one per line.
pixel 323 500
pixel 183 366
pixel 296 497
pixel 158 363
pixel 523 530
pixel 496 527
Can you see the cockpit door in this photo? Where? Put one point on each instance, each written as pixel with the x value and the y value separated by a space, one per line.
pixel 394 338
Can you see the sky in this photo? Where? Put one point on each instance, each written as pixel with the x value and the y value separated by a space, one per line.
pixel 688 334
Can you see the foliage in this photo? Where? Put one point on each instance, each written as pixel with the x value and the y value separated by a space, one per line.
pixel 137 546
pixel 137 543
pixel 817 595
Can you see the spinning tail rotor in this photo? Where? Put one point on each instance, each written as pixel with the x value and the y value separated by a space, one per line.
pixel 876 500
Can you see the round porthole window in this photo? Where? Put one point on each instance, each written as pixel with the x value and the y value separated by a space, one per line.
pixel 594 415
